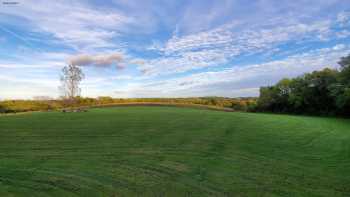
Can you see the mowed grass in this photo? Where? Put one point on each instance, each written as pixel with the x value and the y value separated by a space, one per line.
pixel 168 151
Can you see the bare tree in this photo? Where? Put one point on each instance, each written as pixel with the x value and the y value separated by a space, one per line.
pixel 70 81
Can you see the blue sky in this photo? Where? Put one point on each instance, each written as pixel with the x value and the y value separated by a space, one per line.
pixel 167 48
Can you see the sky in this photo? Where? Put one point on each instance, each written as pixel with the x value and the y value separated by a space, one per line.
pixel 169 48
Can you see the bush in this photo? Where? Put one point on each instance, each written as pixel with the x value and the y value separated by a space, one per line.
pixel 2 109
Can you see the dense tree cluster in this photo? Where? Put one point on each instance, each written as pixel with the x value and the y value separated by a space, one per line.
pixel 325 92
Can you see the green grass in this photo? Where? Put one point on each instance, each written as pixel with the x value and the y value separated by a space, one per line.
pixel 168 151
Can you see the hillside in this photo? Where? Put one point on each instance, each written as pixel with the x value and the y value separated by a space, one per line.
pixel 167 151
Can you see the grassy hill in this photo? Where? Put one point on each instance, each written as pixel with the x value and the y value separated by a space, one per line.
pixel 167 151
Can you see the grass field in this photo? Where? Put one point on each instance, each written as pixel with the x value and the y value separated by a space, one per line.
pixel 168 151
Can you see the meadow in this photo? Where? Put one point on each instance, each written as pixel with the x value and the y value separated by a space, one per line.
pixel 169 151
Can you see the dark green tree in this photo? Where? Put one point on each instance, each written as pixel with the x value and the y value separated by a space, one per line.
pixel 319 92
pixel 341 90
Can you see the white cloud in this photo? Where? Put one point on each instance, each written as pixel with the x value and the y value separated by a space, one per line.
pixel 343 34
pixel 205 35
pixel 14 86
pixel 97 60
pixel 76 24
pixel 44 64
pixel 13 79
pixel 220 45
pixel 243 80
pixel 183 62
pixel 343 18
pixel 35 60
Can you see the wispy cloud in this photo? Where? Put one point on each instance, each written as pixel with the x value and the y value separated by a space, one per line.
pixel 220 45
pixel 230 81
pixel 168 48
pixel 74 23
pixel 343 18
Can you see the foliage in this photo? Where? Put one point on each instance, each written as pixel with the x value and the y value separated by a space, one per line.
pixel 28 105
pixel 244 104
pixel 238 104
pixel 2 109
pixel 325 92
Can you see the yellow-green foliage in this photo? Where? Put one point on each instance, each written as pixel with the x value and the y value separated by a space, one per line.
pixel 239 104
pixel 27 105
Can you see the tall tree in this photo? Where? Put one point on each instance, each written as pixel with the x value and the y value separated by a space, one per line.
pixel 345 70
pixel 342 89
pixel 70 80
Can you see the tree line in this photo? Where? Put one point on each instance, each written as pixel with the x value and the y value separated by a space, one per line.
pixel 325 92
pixel 71 100
pixel 12 106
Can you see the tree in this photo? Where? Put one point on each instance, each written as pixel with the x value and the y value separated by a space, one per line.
pixel 345 62
pixel 2 109
pixel 345 70
pixel 105 100
pixel 267 98
pixel 341 91
pixel 70 81
pixel 318 95
pixel 239 105
pixel 313 93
